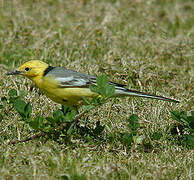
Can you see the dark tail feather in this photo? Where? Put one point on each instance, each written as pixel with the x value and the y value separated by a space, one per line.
pixel 128 92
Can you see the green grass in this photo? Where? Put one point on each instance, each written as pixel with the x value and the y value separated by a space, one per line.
pixel 147 45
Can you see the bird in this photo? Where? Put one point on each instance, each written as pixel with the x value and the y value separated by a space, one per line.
pixel 68 87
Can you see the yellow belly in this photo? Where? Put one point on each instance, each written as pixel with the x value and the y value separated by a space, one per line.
pixel 68 96
pixel 64 96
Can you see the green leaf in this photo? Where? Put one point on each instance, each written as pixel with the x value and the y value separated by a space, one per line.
pixel 133 122
pixel 22 93
pixel 103 87
pixel 127 139
pixel 40 121
pixel 66 109
pixel 58 116
pixel 34 124
pixel 189 140
pixel 28 110
pixel 102 81
pixel 64 177
pixel 110 90
pixel 77 177
pixel 69 116
pixel 12 93
pixel 51 120
pixel 37 123
pixel 156 135
pixel 94 88
pixel 47 128
pixel 89 107
pixel 180 117
pixel 175 115
pixel 22 108
pixel 190 120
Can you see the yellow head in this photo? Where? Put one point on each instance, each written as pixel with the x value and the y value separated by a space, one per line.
pixel 31 69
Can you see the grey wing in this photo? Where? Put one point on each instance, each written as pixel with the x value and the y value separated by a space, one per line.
pixel 69 78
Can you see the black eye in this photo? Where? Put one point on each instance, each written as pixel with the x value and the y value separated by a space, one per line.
pixel 27 69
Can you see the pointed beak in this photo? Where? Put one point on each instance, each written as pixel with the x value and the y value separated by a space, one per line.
pixel 16 72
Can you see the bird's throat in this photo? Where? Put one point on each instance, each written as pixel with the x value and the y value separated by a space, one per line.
pixel 37 80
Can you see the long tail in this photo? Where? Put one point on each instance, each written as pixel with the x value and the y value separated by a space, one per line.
pixel 119 91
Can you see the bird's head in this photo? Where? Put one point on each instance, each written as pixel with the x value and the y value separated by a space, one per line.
pixel 30 69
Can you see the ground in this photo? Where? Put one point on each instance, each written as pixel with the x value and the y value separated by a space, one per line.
pixel 147 45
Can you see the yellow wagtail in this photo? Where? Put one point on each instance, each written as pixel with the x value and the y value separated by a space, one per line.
pixel 68 87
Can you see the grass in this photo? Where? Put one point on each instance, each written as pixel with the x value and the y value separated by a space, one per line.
pixel 147 45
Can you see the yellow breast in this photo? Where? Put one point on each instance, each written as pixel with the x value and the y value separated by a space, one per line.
pixel 62 95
